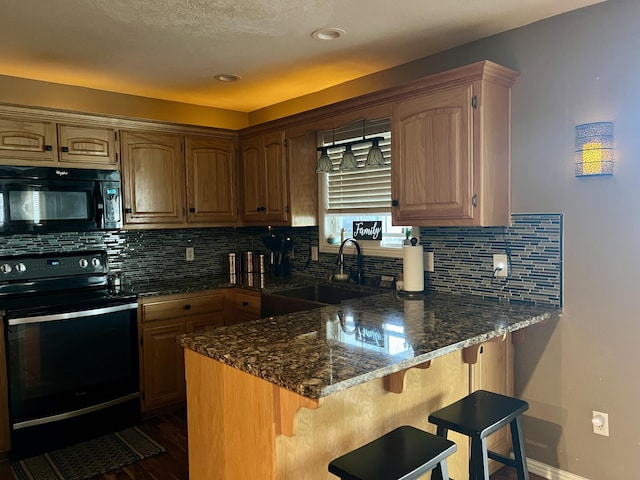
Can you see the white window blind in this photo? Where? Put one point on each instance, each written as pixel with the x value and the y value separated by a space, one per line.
pixel 365 190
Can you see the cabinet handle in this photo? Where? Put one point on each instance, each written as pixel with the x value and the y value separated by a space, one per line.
pixel 245 304
pixel 48 148
pixel 395 203
pixel 65 149
pixel 192 210
pixel 127 210
pixel 474 200
pixel 187 306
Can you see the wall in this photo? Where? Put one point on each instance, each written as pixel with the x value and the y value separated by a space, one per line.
pixel 576 68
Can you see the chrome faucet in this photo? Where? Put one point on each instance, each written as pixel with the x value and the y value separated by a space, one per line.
pixel 358 276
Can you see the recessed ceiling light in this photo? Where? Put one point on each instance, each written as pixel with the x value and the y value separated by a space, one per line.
pixel 329 33
pixel 227 77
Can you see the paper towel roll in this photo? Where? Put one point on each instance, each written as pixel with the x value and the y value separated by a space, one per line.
pixel 413 269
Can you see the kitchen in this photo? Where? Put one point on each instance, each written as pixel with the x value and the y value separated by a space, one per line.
pixel 596 284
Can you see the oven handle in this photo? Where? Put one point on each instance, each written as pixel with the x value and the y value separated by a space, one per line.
pixel 70 315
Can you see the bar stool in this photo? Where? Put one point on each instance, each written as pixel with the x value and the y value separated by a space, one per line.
pixel 405 453
pixel 479 415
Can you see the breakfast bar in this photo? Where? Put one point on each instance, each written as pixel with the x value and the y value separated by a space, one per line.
pixel 280 397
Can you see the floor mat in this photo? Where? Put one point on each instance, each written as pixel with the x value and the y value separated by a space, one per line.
pixel 88 459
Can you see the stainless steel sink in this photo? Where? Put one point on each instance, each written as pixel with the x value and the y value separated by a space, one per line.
pixel 323 294
pixel 306 298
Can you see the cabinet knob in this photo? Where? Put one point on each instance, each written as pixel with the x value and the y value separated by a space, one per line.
pixel 192 210
pixel 245 304
pixel 65 149
pixel 187 306
pixel 48 148
pixel 127 210
pixel 395 203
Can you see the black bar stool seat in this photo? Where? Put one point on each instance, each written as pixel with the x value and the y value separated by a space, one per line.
pixel 405 453
pixel 478 415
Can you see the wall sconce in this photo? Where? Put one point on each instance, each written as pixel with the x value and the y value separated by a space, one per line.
pixel 594 149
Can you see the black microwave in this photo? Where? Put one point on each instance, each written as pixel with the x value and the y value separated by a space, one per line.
pixel 49 199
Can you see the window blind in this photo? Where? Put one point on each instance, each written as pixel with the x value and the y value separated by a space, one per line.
pixel 365 190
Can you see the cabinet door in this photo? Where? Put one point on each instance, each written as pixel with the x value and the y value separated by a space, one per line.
pixel 163 362
pixel 245 306
pixel 211 180
pixel 87 145
pixel 34 141
pixel 274 178
pixel 153 177
pixel 252 171
pixel 264 179
pixel 433 157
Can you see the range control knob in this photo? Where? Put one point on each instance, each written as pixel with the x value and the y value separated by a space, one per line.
pixel 95 261
pixel 21 267
pixel 83 263
pixel 6 268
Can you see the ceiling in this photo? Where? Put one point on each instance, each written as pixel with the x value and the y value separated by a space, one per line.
pixel 172 49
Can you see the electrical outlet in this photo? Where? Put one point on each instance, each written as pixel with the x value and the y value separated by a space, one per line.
pixel 314 253
pixel 190 254
pixel 600 421
pixel 500 266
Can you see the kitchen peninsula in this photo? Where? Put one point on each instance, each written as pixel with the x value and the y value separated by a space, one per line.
pixel 278 398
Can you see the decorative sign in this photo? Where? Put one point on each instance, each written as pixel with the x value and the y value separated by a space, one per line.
pixel 367 230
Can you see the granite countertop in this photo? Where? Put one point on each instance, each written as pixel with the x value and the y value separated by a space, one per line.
pixel 170 286
pixel 321 351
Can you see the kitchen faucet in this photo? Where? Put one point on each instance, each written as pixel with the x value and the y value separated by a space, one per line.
pixel 358 276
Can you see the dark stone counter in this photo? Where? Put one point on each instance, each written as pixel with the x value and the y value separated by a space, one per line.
pixel 321 351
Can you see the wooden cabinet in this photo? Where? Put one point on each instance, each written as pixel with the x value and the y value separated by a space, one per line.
pixel 244 306
pixel 168 188
pixel 27 141
pixel 80 144
pixel 211 181
pixel 35 142
pixel 279 182
pixel 161 358
pixel 264 179
pixel 451 150
pixel 153 178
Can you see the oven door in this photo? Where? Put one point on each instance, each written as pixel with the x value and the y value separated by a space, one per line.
pixel 67 365
pixel 32 206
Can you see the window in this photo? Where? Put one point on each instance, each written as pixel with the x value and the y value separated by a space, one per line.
pixel 362 194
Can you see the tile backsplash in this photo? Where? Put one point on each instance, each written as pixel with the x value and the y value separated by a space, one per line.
pixel 463 256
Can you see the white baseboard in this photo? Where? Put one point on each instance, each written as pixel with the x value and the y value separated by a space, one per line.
pixel 551 473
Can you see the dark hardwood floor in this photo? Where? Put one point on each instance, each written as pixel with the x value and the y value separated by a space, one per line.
pixel 171 431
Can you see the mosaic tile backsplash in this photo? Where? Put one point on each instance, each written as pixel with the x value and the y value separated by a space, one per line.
pixel 463 256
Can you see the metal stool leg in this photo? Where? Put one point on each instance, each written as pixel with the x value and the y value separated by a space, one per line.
pixel 440 472
pixel 518 449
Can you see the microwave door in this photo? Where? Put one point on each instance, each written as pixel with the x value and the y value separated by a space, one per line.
pixel 55 207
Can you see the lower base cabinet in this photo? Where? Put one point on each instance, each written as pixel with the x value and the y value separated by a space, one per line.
pixel 161 318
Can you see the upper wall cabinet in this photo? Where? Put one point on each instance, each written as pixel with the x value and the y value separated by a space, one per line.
pixel 167 186
pixel 279 184
pixel 451 150
pixel 264 179
pixel 153 178
pixel 211 181
pixel 45 143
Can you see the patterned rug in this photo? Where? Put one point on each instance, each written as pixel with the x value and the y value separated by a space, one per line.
pixel 88 459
